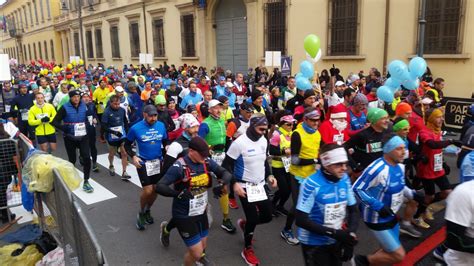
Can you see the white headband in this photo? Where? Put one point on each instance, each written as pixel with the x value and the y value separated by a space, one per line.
pixel 338 155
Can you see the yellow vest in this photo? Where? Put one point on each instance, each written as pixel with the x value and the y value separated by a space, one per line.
pixel 262 111
pixel 34 119
pixel 309 150
pixel 284 144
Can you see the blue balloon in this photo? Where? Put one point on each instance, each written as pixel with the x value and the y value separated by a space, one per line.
pixel 298 75
pixel 307 69
pixel 411 84
pixel 392 83
pixel 417 66
pixel 303 83
pixel 385 94
pixel 398 70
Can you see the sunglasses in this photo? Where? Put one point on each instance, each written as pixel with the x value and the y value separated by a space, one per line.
pixel 288 124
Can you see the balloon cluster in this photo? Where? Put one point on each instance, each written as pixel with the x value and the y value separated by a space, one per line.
pixel 312 47
pixel 400 74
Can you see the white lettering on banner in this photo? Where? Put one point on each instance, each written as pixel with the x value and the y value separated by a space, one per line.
pixel 438 162
pixel 256 192
pixel 334 214
pixel 397 200
pixel 198 205
pixel 153 167
pixel 80 129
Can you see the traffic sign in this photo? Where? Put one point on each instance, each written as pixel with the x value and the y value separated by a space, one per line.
pixel 456 112
pixel 286 66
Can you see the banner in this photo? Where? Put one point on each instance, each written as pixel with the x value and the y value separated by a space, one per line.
pixel 456 113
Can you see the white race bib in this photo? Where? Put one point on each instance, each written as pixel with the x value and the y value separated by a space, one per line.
pixel 256 192
pixel 89 117
pixel 7 108
pixel 339 139
pixel 198 205
pixel 116 129
pixel 177 124
pixel 397 200
pixel 80 130
pixel 334 214
pixel 218 157
pixel 40 116
pixel 286 163
pixel 24 115
pixel 438 162
pixel 153 167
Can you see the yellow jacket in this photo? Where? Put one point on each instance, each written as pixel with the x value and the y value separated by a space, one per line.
pixel 309 150
pixel 36 114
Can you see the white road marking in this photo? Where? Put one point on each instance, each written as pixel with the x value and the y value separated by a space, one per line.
pixel 103 159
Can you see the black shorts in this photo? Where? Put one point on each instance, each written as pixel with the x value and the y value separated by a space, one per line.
pixel 117 143
pixel 46 139
pixel 192 229
pixel 146 180
pixel 429 184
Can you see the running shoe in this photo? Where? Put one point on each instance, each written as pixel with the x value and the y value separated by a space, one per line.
pixel 249 256
pixel 281 211
pixel 228 226
pixel 410 230
pixel 95 168
pixel 233 204
pixel 204 261
pixel 87 187
pixel 164 236
pixel 438 253
pixel 140 221
pixel 359 260
pixel 111 170
pixel 125 176
pixel 288 236
pixel 148 218
pixel 421 223
pixel 429 214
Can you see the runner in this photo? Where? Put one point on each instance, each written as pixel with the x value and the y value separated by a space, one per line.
pixel 191 178
pixel 357 117
pixel 334 129
pixel 321 213
pixel 149 135
pixel 39 116
pixel 22 103
pixel 92 121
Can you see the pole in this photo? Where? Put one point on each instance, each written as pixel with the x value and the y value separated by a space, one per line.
pixel 81 31
pixel 146 30
pixel 421 34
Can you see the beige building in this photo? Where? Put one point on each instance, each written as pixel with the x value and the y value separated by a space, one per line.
pixel 30 30
pixel 355 34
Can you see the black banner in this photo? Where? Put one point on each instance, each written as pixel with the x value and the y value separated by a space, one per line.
pixel 456 112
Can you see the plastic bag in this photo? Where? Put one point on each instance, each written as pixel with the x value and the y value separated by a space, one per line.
pixel 53 258
pixel 27 198
pixel 28 257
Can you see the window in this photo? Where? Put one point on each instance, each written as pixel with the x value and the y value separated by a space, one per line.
pixel 36 11
pixel 134 39
pixel 46 50
pixel 76 44
pixel 89 44
pixel 443 25
pixel 41 9
pixel 48 8
pixel 98 43
pixel 26 18
pixel 343 27
pixel 31 13
pixel 40 51
pixel 51 45
pixel 187 35
pixel 34 52
pixel 275 26
pixel 158 38
pixel 114 38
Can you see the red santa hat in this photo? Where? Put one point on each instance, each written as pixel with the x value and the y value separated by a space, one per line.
pixel 338 111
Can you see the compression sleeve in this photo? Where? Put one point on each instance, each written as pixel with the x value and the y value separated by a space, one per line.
pixel 366 181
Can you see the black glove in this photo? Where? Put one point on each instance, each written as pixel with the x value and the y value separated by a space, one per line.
pixel 344 237
pixel 332 71
pixel 117 133
pixel 385 212
pixel 185 195
pixel 45 119
pixel 347 252
pixel 456 143
pixel 218 191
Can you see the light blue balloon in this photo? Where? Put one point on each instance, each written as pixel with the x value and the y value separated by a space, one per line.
pixel 417 66
pixel 398 70
pixel 303 83
pixel 413 76
pixel 385 94
pixel 307 69
pixel 298 75
pixel 411 84
pixel 392 83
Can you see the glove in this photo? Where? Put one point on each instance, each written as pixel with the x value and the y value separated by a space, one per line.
pixel 45 119
pixel 218 191
pixel 185 195
pixel 456 143
pixel 345 237
pixel 347 252
pixel 447 169
pixel 332 71
pixel 116 133
pixel 385 212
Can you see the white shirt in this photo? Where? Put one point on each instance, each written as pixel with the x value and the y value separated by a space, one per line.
pixel 460 207
pixel 334 99
pixel 250 158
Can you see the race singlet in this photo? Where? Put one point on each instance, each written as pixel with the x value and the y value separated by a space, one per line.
pixel 334 214
pixel 80 129
pixel 438 162
pixel 197 206
pixel 256 192
pixel 397 200
pixel 153 167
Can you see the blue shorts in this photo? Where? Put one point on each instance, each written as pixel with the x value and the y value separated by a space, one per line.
pixel 192 229
pixel 46 139
pixel 388 238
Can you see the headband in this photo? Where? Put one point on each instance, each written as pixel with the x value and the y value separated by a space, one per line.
pixel 401 125
pixel 338 155
pixel 392 144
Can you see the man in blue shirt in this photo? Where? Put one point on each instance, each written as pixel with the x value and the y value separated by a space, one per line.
pixel 192 98
pixel 324 199
pixel 150 137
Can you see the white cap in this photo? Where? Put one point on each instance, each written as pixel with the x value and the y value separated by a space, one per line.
pixel 426 100
pixel 339 83
pixel 353 78
pixel 214 103
pixel 119 89
pixel 229 84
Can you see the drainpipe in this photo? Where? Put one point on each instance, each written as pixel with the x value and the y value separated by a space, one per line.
pixel 385 39
pixel 146 30
pixel 422 23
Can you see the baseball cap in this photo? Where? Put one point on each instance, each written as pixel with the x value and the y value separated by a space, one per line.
pixel 287 119
pixel 426 100
pixel 222 98
pixel 221 78
pixel 229 84
pixel 339 83
pixel 247 107
pixel 150 110
pixel 214 103
pixel 200 145
pixel 119 89
pixel 73 93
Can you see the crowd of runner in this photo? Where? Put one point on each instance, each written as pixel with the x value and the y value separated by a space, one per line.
pixel 336 150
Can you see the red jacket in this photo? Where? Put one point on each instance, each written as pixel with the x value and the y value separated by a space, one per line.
pixel 330 135
pixel 203 88
pixel 434 167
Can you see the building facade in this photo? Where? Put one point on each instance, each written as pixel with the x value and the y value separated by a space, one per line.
pixel 355 34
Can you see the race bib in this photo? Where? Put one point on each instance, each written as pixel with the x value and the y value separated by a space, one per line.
pixel 8 108
pixel 153 167
pixel 116 129
pixel 397 200
pixel 334 214
pixel 438 162
pixel 177 124
pixel 198 205
pixel 218 157
pixel 40 116
pixel 256 192
pixel 339 139
pixel 24 115
pixel 89 118
pixel 240 99
pixel 286 163
pixel 80 130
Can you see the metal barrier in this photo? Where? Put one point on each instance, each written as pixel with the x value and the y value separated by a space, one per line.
pixel 10 175
pixel 67 222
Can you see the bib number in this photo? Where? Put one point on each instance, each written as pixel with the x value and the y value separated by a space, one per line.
pixel 7 108
pixel 40 116
pixel 339 139
pixel 256 192
pixel 397 200
pixel 89 118
pixel 438 162
pixel 198 205
pixel 153 167
pixel 286 163
pixel 80 130
pixel 334 214
pixel 218 157
pixel 24 115
pixel 116 129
